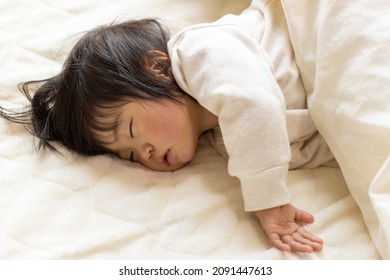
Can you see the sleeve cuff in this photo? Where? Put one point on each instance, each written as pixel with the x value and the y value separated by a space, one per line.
pixel 266 189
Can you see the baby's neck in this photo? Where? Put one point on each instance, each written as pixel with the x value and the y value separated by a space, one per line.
pixel 202 118
pixel 209 120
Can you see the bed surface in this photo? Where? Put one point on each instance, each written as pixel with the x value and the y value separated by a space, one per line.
pixel 71 207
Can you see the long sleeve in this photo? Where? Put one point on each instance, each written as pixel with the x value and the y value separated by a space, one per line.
pixel 228 74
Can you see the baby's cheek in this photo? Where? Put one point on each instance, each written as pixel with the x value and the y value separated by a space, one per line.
pixel 164 133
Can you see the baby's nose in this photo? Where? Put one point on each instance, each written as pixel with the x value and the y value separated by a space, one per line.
pixel 146 151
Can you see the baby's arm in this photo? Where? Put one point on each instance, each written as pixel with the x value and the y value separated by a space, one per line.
pixel 282 224
pixel 229 74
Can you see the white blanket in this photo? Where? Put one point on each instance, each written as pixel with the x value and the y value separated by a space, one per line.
pixel 71 207
pixel 342 49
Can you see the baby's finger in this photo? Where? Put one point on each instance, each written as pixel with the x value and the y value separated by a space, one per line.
pixel 277 243
pixel 303 216
pixel 316 246
pixel 308 235
pixel 297 246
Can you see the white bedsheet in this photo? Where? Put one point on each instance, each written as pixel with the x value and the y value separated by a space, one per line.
pixel 70 207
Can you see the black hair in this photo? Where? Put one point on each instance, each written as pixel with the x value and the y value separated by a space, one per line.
pixel 104 68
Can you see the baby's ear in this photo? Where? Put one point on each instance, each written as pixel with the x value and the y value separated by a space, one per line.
pixel 159 64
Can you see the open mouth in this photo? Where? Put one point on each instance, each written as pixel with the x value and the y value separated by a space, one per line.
pixel 166 158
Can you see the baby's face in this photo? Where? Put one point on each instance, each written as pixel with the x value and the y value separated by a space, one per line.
pixel 158 134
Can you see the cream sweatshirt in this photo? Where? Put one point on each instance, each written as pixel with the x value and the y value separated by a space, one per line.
pixel 226 67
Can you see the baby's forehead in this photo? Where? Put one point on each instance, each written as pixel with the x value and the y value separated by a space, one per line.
pixel 108 117
pixel 105 122
pixel 109 114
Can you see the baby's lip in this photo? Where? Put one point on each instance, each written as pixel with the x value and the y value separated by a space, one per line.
pixel 166 158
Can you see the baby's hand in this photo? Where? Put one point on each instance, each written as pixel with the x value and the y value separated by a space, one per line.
pixel 281 224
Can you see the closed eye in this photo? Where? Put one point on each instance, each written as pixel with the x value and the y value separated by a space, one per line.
pixel 132 136
pixel 131 128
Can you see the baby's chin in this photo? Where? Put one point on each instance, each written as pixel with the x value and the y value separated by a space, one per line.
pixel 168 167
